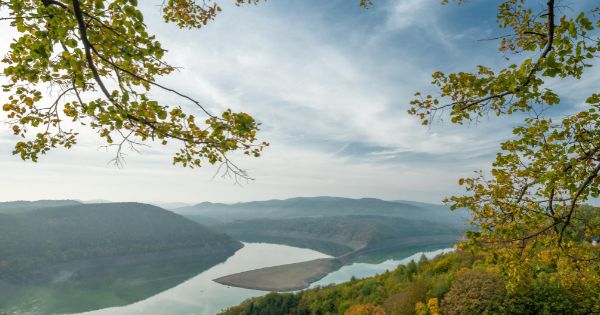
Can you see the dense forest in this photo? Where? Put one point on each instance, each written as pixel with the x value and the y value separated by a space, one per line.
pixel 455 283
pixel 47 236
pixel 337 235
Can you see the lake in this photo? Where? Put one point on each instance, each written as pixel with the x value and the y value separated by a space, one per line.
pixel 191 293
pixel 202 296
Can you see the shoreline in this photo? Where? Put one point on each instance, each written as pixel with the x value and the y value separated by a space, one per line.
pixel 291 277
pixel 282 278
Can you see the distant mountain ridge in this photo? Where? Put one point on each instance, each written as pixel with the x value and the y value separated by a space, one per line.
pixel 164 205
pixel 336 225
pixel 11 207
pixel 322 206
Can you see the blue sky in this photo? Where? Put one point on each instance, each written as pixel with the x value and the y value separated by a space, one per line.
pixel 329 82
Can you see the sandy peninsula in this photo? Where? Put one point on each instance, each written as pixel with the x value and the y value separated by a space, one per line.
pixel 282 278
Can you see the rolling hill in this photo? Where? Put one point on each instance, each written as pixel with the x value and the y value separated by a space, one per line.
pixel 334 225
pixel 319 207
pixel 59 234
pixel 339 235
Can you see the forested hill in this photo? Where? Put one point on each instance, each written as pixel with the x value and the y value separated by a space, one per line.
pixel 322 206
pixel 53 235
pixel 338 235
pixel 11 207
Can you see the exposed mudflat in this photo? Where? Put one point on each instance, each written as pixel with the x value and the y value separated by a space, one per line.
pixel 282 278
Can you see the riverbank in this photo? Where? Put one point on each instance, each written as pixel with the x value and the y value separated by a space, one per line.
pixel 283 278
pixel 299 276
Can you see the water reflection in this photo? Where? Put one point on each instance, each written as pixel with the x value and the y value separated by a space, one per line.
pixel 79 287
pixel 363 270
pixel 202 296
pixel 182 288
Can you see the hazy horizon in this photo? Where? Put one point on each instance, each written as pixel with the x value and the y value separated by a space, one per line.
pixel 100 200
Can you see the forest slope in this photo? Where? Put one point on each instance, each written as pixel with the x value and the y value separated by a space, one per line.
pixel 337 235
pixel 452 284
pixel 54 235
pixel 460 282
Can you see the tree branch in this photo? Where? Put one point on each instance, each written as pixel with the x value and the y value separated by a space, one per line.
pixel 583 186
pixel 550 25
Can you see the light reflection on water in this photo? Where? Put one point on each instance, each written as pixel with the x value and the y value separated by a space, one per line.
pixel 363 270
pixel 202 296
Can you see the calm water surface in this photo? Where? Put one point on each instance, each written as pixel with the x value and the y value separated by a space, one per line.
pixel 202 296
pixel 364 270
pixel 198 295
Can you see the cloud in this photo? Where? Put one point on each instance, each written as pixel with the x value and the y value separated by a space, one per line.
pixel 409 13
pixel 330 84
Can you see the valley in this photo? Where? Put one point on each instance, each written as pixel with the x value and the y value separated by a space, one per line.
pixel 302 207
pixel 336 226
pixel 70 253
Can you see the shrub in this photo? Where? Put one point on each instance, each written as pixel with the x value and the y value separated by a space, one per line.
pixel 541 297
pixel 404 302
pixel 474 292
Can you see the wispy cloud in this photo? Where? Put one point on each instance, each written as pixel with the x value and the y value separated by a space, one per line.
pixel 410 13
pixel 331 85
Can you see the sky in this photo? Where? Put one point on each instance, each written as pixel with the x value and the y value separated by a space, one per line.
pixel 330 83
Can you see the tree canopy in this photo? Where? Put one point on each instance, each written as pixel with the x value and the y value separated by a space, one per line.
pixel 99 63
pixel 454 283
pixel 529 210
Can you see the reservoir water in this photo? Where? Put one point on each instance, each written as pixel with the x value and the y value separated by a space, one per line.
pixel 202 296
pixel 195 294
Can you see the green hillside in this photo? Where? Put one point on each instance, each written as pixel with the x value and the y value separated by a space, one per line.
pixel 48 236
pixel 452 284
pixel 337 226
pixel 322 206
pixel 337 235
pixel 457 283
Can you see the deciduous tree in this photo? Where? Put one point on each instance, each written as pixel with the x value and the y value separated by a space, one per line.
pixel 527 208
pixel 100 63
